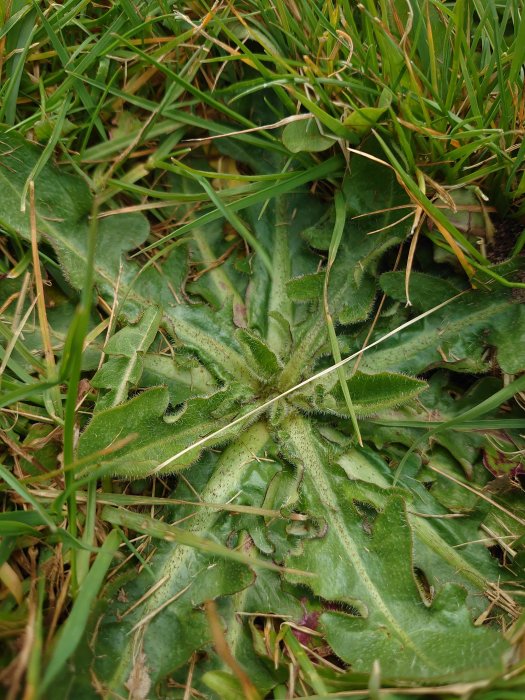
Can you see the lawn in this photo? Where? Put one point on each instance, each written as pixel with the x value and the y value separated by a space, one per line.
pixel 262 349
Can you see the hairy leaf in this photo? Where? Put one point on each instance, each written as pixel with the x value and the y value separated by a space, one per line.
pixel 370 393
pixel 129 344
pixel 425 290
pixel 454 337
pixel 152 435
pixel 395 577
pixel 404 646
pixel 437 641
pixel 168 632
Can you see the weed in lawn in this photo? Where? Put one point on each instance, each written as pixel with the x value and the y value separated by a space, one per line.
pixel 164 344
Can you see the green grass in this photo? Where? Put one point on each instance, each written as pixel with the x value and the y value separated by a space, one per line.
pixel 197 146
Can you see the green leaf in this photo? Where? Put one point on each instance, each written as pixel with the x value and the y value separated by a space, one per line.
pixel 72 630
pixel 269 308
pixel 151 527
pixel 508 336
pixel 373 192
pixel 121 373
pixel 306 288
pixel 259 354
pixel 304 135
pixel 454 338
pixel 409 639
pixel 63 204
pixel 319 234
pixel 352 286
pixel 136 338
pixel 370 393
pixel 115 373
pixel 183 376
pixel 220 284
pixel 212 339
pixel 170 632
pixel 425 290
pixel 151 436
pixel 436 641
pixel 362 120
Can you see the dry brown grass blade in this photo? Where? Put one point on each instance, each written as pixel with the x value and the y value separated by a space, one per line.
pixel 264 127
pixel 41 301
pixel 15 671
pixel 416 228
pixel 12 582
pixel 153 613
pixel 223 650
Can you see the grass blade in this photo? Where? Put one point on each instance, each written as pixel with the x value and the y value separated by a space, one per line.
pixel 73 629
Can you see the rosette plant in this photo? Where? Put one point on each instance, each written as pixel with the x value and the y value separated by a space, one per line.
pixel 299 528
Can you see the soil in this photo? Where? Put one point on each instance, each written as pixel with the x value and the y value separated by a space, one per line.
pixel 505 237
pixel 507 232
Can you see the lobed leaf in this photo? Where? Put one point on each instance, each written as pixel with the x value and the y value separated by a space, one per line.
pixel 397 629
pixel 122 372
pixel 169 632
pixel 455 337
pixel 395 580
pixel 435 641
pixel 151 434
